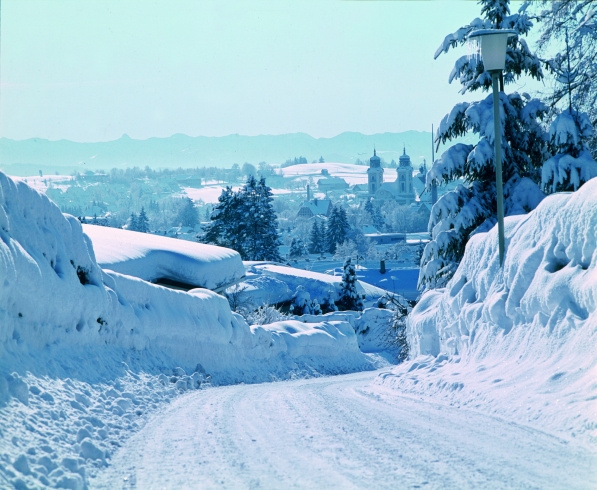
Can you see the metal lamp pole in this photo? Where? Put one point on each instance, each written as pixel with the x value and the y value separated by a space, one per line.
pixel 499 187
pixel 494 43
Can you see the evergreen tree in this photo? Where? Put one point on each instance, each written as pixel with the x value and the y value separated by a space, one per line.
pixel 221 230
pixel 349 298
pixel 569 33
pixel 259 227
pixel 297 248
pixel 246 222
pixel 471 207
pixel 317 237
pixel 187 216
pixel 133 224
pixel 142 222
pixel 337 228
pixel 572 164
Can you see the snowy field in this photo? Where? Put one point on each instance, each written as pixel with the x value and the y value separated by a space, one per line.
pixel 40 184
pixel 209 194
pixel 352 174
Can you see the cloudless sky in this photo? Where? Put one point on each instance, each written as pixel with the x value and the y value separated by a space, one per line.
pixel 88 70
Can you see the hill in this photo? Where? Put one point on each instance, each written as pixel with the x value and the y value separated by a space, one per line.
pixel 27 157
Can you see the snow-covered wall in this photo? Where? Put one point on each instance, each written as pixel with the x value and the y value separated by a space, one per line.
pixel 522 337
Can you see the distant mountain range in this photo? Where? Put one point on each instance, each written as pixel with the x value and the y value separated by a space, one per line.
pixel 27 157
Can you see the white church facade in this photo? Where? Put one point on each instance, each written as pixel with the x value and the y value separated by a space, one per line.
pixel 401 190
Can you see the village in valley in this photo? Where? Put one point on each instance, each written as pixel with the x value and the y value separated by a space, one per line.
pixel 313 290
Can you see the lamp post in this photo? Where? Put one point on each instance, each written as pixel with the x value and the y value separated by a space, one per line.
pixel 493 51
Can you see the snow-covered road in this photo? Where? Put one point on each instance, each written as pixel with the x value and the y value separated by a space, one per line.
pixel 338 432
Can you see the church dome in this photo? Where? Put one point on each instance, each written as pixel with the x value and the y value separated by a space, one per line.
pixel 405 159
pixel 374 161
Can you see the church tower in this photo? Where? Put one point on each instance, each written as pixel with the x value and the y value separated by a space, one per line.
pixel 405 193
pixel 375 174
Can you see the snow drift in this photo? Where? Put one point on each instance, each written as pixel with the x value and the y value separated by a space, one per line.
pixel 518 340
pixel 282 282
pixel 153 257
pixel 85 353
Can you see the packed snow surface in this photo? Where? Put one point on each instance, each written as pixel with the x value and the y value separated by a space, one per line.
pixel 152 257
pixel 86 354
pixel 343 433
pixel 518 340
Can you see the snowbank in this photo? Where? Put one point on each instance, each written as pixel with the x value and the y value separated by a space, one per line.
pixel 518 340
pixel 152 257
pixel 372 327
pixel 86 353
pixel 287 279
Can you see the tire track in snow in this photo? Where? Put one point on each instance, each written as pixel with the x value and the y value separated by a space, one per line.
pixel 338 432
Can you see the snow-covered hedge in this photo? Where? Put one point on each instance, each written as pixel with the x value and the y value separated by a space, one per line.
pixel 521 338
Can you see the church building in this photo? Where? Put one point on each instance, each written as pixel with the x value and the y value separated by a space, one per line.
pixel 401 190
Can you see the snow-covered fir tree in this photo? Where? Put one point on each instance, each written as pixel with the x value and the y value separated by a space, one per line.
pixel 188 215
pixel 568 31
pixel 317 237
pixel 259 225
pixel 219 230
pixel 349 297
pixel 375 215
pixel 297 248
pixel 471 207
pixel 337 228
pixel 246 222
pixel 572 164
pixel 133 222
pixel 142 222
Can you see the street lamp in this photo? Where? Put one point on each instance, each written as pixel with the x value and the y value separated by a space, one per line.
pixel 493 51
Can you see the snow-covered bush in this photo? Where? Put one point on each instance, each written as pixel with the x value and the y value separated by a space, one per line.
pixel 302 304
pixel 471 207
pixel 328 305
pixel 264 315
pixel 349 297
pixel 345 249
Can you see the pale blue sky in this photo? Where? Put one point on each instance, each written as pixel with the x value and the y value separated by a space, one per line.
pixel 93 70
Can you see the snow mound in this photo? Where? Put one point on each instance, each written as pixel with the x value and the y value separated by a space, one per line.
pixel 318 285
pixel 372 327
pixel 152 257
pixel 518 340
pixel 86 353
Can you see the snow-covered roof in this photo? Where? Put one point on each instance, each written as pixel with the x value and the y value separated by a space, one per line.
pixel 153 257
pixel 332 183
pixel 315 207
